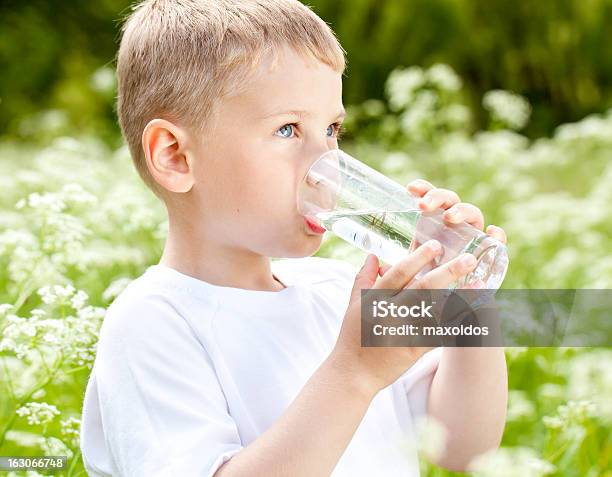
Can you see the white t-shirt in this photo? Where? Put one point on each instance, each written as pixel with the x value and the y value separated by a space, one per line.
pixel 188 373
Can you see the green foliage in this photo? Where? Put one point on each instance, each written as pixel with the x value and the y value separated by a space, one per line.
pixel 552 51
pixel 71 238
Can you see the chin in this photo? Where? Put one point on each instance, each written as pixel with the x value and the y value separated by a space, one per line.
pixel 305 246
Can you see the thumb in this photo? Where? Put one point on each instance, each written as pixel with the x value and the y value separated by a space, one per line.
pixel 366 277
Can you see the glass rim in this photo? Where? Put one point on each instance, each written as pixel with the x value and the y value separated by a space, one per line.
pixel 342 161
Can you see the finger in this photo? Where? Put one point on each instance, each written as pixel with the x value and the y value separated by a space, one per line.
pixel 475 285
pixel 444 275
pixel 402 272
pixel 464 212
pixel 419 187
pixel 384 269
pixel 366 277
pixel 497 233
pixel 442 198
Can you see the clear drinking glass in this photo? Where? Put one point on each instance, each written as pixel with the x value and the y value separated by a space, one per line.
pixel 367 209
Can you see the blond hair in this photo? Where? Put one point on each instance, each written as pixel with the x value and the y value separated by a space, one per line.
pixel 177 58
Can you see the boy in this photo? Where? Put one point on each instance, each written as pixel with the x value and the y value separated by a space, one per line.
pixel 217 361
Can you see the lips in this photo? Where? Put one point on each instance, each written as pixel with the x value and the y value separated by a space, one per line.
pixel 312 225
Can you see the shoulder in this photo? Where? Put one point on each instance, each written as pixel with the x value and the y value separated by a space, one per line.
pixel 147 310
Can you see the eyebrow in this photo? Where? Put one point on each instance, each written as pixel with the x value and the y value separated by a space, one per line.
pixel 300 113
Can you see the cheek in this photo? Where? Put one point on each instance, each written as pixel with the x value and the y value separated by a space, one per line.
pixel 255 196
pixel 269 184
pixel 273 196
pixel 258 182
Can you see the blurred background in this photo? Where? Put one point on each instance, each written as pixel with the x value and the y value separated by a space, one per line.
pixel 553 52
pixel 507 103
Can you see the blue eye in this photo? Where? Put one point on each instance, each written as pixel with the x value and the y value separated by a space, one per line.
pixel 288 130
pixel 335 130
pixel 285 131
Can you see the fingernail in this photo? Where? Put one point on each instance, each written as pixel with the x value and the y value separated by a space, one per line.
pixel 426 199
pixel 468 260
pixel 451 213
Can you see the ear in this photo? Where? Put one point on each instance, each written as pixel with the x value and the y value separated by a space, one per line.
pixel 168 156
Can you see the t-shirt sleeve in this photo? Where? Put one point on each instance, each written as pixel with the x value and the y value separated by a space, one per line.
pixel 162 408
pixel 417 381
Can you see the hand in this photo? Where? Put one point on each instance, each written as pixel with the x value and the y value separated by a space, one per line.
pixel 373 368
pixel 455 211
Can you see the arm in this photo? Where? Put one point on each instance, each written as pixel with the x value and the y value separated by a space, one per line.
pixel 310 437
pixel 468 394
pixel 312 434
pixel 469 391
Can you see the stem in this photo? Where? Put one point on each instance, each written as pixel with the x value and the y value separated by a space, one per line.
pixel 75 459
pixel 9 381
pixel 43 360
pixel 26 397
pixel 74 370
pixel 26 291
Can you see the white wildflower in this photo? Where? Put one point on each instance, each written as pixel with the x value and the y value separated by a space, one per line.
pixel 115 288
pixel 75 194
pixel 395 162
pixel 553 422
pixel 71 428
pixel 510 462
pixel 63 292
pixel 418 118
pixel 510 109
pixel 37 313
pixel 24 439
pixel 55 446
pixel 103 80
pixel 39 394
pixel 519 406
pixel 22 350
pixel 402 84
pixel 5 308
pixel 456 115
pixel 47 295
pixel 432 437
pixel 7 344
pixel 48 202
pixel 444 77
pixel 79 299
pixel 38 413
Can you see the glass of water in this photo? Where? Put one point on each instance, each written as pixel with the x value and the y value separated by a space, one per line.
pixel 376 214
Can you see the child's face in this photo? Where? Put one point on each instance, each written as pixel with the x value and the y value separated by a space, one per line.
pixel 254 161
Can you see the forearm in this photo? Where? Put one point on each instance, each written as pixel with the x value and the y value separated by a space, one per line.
pixel 312 434
pixel 469 395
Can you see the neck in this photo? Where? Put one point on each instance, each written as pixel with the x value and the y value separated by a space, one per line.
pixel 221 265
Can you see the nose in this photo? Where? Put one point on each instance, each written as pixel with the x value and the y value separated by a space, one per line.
pixel 313 154
pixel 320 183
